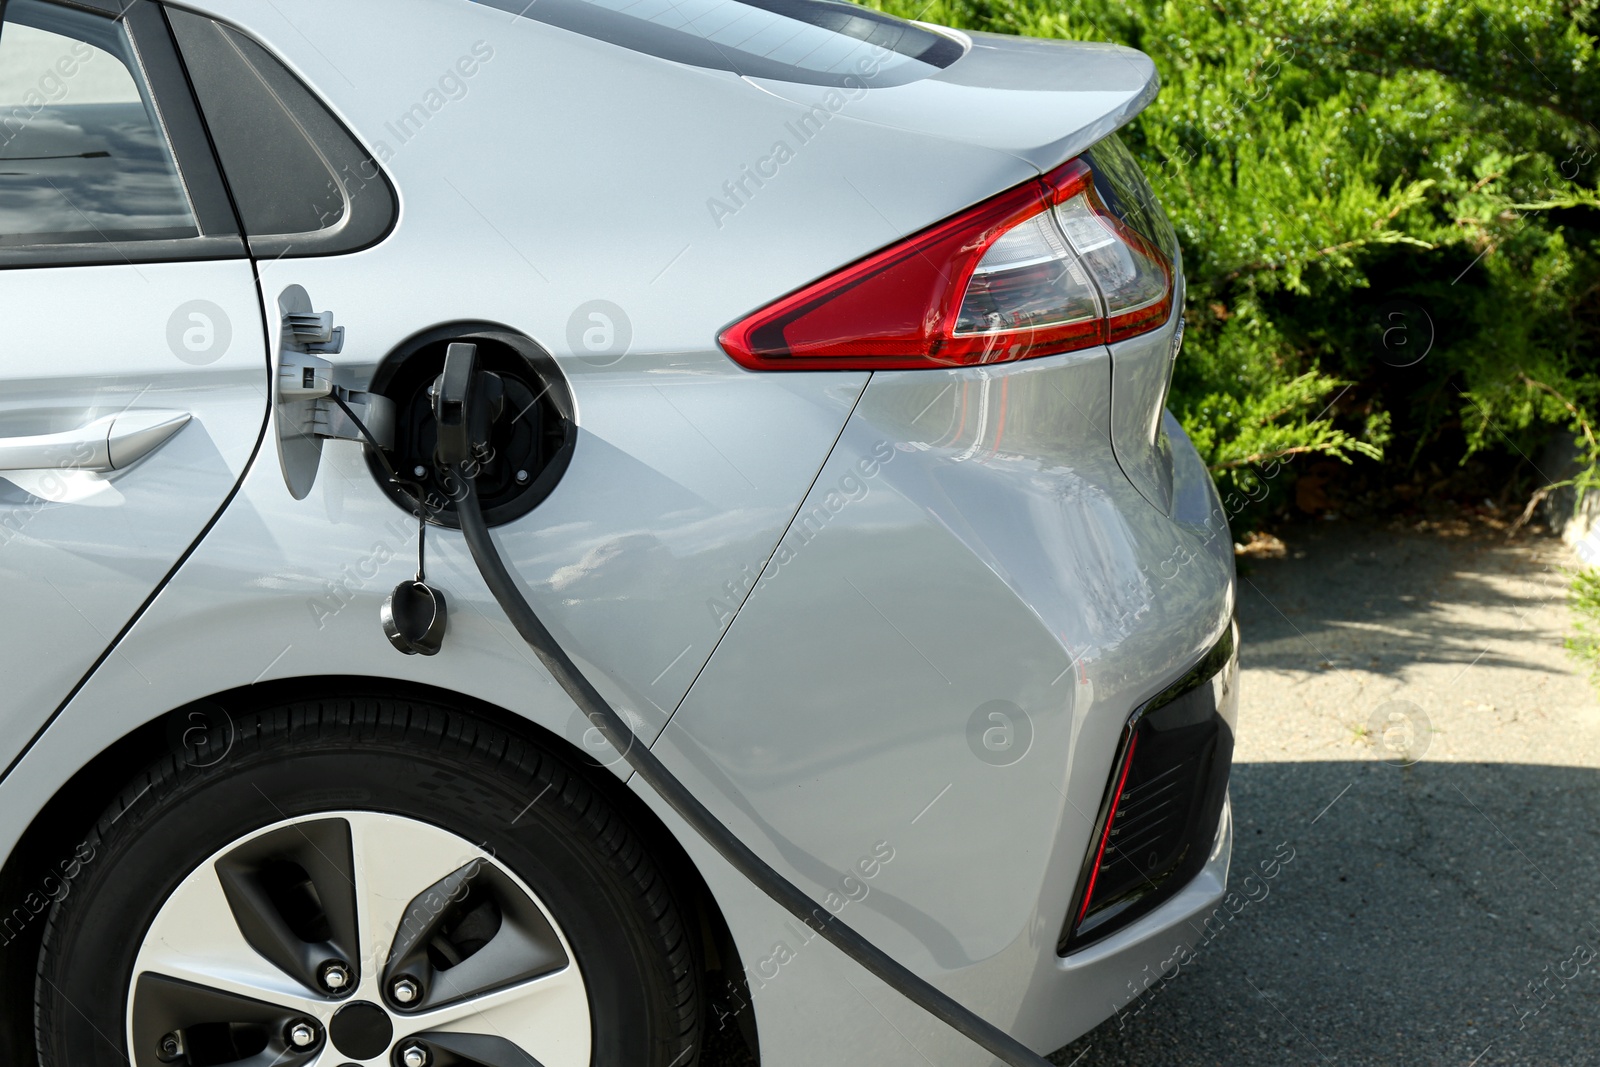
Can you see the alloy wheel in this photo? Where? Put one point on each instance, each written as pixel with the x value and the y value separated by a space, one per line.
pixel 355 938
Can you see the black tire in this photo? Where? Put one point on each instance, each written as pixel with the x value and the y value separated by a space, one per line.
pixel 569 845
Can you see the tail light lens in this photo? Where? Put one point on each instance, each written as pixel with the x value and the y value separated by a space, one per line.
pixel 1043 268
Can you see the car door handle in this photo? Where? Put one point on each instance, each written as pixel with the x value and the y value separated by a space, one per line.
pixel 108 444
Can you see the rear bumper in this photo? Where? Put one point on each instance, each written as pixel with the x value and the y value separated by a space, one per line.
pixel 1096 975
pixel 1085 988
pixel 1164 800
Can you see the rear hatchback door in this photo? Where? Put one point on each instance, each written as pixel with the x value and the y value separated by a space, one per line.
pixel 133 376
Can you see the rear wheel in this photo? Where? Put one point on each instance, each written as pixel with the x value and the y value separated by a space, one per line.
pixel 366 883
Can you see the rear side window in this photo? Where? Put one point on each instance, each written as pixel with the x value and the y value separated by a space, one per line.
pixel 1123 187
pixel 303 184
pixel 84 158
pixel 817 42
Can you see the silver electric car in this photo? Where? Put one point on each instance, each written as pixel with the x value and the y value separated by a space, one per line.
pixel 581 531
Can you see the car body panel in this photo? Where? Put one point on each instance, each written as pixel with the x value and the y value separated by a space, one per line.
pixel 284 588
pixel 1056 565
pixel 1141 368
pixel 84 551
pixel 845 707
pixel 796 979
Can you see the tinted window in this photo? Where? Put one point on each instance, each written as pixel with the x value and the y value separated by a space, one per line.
pixel 83 157
pixel 302 183
pixel 819 42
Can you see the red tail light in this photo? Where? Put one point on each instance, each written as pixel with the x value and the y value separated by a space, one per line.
pixel 1042 268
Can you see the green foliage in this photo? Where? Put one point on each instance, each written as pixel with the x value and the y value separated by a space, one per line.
pixel 1355 185
pixel 1585 599
pixel 1251 414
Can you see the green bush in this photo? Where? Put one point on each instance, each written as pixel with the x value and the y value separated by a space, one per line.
pixel 1355 186
pixel 1585 642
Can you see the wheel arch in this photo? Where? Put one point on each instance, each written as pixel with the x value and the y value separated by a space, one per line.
pixel 35 873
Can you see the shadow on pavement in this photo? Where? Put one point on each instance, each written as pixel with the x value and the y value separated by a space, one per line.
pixel 1439 914
pixel 1413 588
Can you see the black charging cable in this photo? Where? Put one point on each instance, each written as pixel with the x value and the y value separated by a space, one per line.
pixel 460 409
pixel 409 486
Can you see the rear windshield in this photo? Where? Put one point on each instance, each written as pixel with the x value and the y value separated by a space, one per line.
pixel 818 42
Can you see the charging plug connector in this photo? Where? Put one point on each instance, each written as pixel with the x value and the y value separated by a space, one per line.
pixel 466 404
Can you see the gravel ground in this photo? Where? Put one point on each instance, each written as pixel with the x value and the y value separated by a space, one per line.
pixel 1411 727
pixel 1423 901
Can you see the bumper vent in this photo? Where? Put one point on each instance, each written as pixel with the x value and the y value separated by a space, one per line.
pixel 1159 816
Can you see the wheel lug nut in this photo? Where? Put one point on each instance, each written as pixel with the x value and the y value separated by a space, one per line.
pixel 405 990
pixel 303 1033
pixel 334 976
pixel 414 1055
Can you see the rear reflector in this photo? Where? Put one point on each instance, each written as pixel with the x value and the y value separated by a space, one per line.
pixel 1105 835
pixel 1042 268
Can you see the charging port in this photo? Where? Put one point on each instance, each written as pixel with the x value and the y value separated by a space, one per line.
pixel 530 443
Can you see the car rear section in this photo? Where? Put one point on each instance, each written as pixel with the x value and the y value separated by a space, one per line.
pixel 996 641
pixel 982 645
